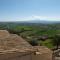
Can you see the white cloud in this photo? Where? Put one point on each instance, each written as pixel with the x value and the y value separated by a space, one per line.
pixel 41 18
pixel 33 17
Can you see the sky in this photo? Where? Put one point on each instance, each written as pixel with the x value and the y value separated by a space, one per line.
pixel 24 10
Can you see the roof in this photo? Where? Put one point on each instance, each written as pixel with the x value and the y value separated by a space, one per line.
pixel 12 42
pixel 4 34
pixel 42 50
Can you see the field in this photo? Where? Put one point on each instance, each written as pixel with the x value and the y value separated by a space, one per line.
pixel 35 34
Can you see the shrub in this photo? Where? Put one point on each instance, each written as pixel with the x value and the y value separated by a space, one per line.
pixel 33 42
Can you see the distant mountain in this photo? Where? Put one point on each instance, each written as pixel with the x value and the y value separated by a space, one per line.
pixel 34 21
pixel 42 21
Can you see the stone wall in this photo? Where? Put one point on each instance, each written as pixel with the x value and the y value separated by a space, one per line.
pixel 15 56
pixel 46 56
pixel 24 56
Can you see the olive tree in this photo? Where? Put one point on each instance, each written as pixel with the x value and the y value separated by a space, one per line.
pixel 56 41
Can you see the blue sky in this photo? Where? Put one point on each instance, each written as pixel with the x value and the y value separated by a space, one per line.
pixel 21 10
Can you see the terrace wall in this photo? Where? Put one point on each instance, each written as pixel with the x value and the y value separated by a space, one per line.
pixel 25 56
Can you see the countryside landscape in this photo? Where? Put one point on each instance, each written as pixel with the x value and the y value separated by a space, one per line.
pixel 38 35
pixel 34 33
pixel 29 29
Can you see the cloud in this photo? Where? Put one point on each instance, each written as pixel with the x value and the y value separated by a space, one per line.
pixel 46 18
pixel 34 17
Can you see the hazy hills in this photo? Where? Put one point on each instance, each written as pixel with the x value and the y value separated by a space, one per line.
pixel 42 21
pixel 34 21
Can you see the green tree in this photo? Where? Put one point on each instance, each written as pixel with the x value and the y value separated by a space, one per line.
pixel 56 41
pixel 33 42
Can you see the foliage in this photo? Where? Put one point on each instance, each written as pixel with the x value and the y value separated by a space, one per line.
pixel 34 31
pixel 33 42
pixel 56 41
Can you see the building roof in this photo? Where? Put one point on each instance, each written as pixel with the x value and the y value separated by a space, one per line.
pixel 42 50
pixel 4 34
pixel 12 42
